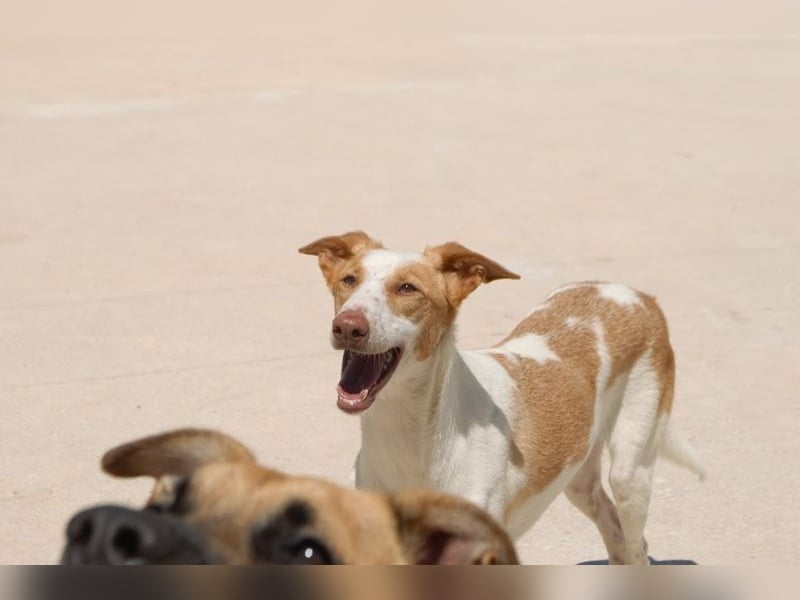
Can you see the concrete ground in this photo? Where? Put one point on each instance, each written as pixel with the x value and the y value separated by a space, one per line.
pixel 154 190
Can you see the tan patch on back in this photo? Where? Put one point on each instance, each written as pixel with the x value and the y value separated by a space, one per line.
pixel 625 331
pixel 556 399
pixel 629 329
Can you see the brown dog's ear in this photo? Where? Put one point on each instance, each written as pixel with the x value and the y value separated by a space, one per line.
pixel 332 249
pixel 467 268
pixel 438 529
pixel 177 453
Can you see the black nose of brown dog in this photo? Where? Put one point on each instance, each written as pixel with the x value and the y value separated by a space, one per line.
pixel 112 535
pixel 350 330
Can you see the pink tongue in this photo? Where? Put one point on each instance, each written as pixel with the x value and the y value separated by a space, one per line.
pixel 361 372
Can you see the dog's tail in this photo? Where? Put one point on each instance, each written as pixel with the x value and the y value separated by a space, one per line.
pixel 676 449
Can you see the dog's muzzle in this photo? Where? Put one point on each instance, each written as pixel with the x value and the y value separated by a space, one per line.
pixel 112 535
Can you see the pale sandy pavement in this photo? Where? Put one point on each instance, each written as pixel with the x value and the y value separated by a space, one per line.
pixel 153 192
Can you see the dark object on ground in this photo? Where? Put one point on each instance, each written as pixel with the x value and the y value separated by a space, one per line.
pixel 653 561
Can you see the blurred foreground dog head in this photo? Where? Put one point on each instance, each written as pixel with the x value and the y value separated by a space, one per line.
pixel 213 504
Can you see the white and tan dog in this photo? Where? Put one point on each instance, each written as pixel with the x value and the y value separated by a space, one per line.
pixel 511 426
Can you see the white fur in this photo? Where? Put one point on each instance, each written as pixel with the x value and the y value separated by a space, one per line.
pixel 633 447
pixel 608 398
pixel 677 450
pixel 481 430
pixel 604 372
pixel 530 345
pixel 464 451
pixel 387 330
pixel 621 294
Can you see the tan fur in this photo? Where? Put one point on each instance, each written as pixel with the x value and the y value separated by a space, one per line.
pixel 430 306
pixel 464 269
pixel 230 500
pixel 445 277
pixel 419 513
pixel 341 246
pixel 548 435
pixel 336 274
pixel 556 398
pixel 338 257
pixel 230 495
pixel 173 453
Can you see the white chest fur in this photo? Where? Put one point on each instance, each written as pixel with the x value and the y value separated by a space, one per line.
pixel 459 442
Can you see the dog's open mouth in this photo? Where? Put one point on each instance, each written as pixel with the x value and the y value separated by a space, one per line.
pixel 363 376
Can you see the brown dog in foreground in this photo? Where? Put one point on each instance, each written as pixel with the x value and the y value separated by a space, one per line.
pixel 212 503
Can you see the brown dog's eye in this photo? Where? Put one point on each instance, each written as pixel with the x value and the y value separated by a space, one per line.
pixel 288 539
pixel 406 288
pixel 349 280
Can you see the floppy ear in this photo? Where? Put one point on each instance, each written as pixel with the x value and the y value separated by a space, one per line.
pixel 466 269
pixel 176 453
pixel 439 529
pixel 335 248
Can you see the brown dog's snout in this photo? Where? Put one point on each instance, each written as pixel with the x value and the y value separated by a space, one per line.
pixel 350 329
pixel 112 535
pixel 109 535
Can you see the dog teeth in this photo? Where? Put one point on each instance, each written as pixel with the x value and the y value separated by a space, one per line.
pixel 353 401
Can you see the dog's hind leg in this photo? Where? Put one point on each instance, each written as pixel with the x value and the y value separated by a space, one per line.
pixel 586 492
pixel 634 446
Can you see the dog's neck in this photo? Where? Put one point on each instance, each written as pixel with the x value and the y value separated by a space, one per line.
pixel 407 417
pixel 417 385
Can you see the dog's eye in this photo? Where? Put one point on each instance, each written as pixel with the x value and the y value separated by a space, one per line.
pixel 310 552
pixel 406 288
pixel 349 280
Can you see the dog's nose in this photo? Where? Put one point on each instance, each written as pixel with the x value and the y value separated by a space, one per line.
pixel 350 329
pixel 112 535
